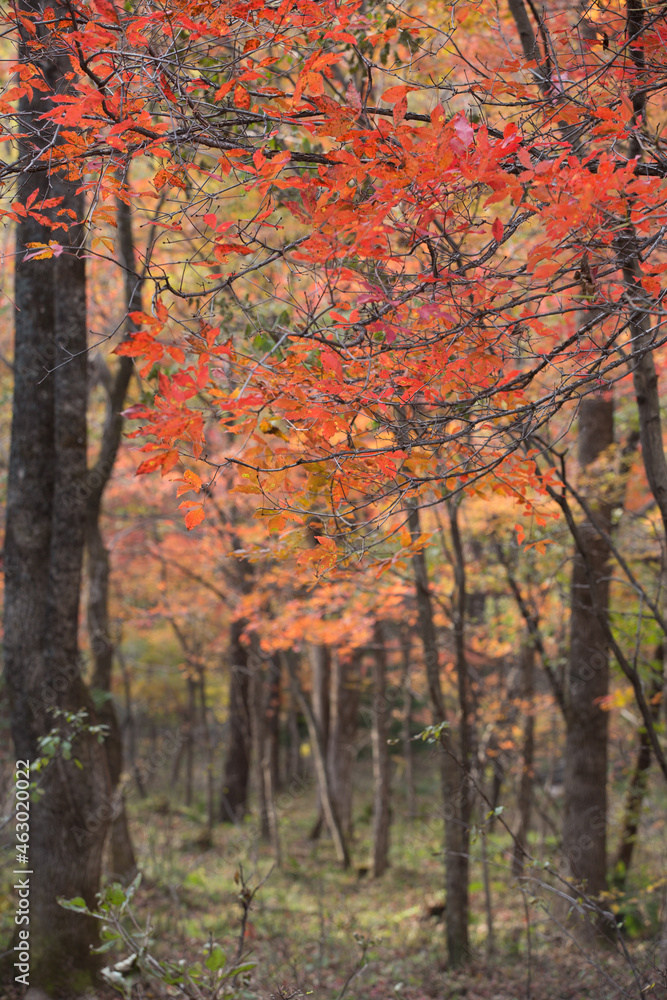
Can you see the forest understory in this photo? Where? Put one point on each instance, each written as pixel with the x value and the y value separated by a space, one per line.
pixel 314 930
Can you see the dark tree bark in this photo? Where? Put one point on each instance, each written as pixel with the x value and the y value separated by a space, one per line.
pixel 343 725
pixel 234 798
pixel 585 809
pixel 465 747
pixel 381 761
pixel 272 713
pixel 46 516
pixel 451 776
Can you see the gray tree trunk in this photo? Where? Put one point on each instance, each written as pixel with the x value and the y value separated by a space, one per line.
pixel 320 662
pixel 526 780
pixel 191 726
pixel 381 761
pixel 406 727
pixel 234 797
pixel 342 752
pixel 258 700
pixel 585 808
pixel 634 797
pixel 319 760
pixel 451 776
pixel 208 756
pixel 122 858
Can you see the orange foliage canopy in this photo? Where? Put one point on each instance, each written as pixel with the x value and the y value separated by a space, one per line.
pixel 421 214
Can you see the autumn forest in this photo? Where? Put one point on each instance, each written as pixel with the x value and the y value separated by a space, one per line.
pixel 334 488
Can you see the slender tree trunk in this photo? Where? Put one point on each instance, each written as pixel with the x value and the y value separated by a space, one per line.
pixel 234 798
pixel 585 808
pixel 320 661
pixel 319 757
pixel 381 761
pixel 634 797
pixel 208 757
pixel 498 772
pixel 341 749
pixel 270 753
pixel 179 757
pixel 525 796
pixel 456 889
pixel 130 725
pixel 259 699
pixel 465 750
pixel 488 902
pixel 271 811
pixel 272 713
pixel 293 767
pixel 406 728
pixel 190 744
pixel 123 861
pixel 44 540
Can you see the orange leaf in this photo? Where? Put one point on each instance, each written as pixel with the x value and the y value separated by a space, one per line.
pixel 241 97
pixel 170 460
pixel 400 111
pixel 395 94
pixel 194 517
pixel 193 479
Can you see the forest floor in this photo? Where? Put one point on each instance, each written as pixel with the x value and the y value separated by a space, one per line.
pixel 328 933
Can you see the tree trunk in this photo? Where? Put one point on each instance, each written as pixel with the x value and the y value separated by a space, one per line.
pixel 208 756
pixel 585 809
pixel 46 514
pixel 234 798
pixel 293 767
pixel 634 797
pixel 129 724
pixel 456 887
pixel 320 661
pixel 190 744
pixel 406 728
pixel 258 700
pixel 272 714
pixel 525 796
pixel 269 756
pixel 465 748
pixel 123 862
pixel 319 757
pixel 270 799
pixel 381 761
pixel 341 749
pixel 270 752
